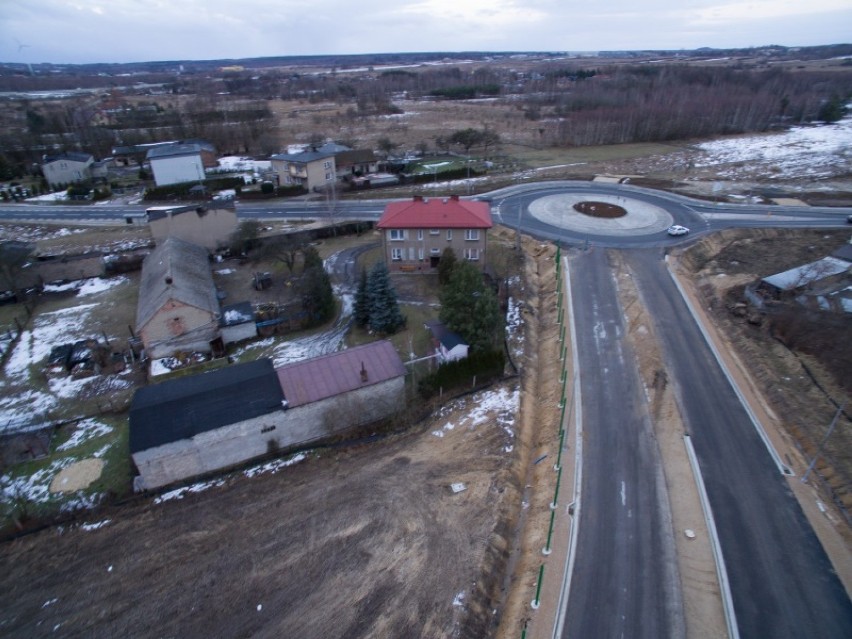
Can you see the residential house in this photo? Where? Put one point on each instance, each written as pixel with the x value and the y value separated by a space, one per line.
pixel 67 168
pixel 210 226
pixel 176 163
pixel 416 232
pixel 449 346
pixel 178 310
pixel 200 424
pixel 312 170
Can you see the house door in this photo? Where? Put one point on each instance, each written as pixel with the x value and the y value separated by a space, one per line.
pixel 433 261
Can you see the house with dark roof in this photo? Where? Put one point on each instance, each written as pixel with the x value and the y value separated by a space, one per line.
pixel 210 226
pixel 67 168
pixel 449 346
pixel 352 163
pixel 203 423
pixel 313 170
pixel 416 232
pixel 178 310
pixel 179 162
pixel 195 425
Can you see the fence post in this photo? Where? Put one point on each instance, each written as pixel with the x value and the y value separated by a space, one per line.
pixel 546 550
pixel 556 492
pixel 537 601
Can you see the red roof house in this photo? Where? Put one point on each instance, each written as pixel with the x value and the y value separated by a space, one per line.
pixel 416 232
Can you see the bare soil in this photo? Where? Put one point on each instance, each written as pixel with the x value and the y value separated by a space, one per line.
pixel 362 542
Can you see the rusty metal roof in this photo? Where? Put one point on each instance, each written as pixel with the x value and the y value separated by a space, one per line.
pixel 314 379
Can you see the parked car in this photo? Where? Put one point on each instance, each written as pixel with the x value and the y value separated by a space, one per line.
pixel 677 229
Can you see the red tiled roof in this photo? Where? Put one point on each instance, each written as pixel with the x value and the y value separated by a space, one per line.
pixel 436 213
pixel 314 379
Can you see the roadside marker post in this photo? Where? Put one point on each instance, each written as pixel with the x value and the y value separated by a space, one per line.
pixel 558 465
pixel 537 601
pixel 546 550
pixel 556 492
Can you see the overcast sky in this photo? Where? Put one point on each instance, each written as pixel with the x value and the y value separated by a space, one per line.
pixel 77 31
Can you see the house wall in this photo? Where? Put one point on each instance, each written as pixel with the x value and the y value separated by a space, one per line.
pixel 224 447
pixel 238 332
pixel 210 229
pixel 431 245
pixel 321 173
pixel 66 172
pixel 184 168
pixel 178 327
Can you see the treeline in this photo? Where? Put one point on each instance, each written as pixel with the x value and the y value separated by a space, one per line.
pixel 645 103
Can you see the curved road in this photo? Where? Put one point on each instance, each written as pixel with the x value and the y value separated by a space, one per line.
pixel 625 581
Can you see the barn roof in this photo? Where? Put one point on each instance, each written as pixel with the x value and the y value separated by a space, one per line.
pixel 175 270
pixel 174 150
pixel 321 377
pixel 184 407
pixel 436 213
pixel 807 274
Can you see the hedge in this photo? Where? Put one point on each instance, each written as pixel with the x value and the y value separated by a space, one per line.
pixel 485 366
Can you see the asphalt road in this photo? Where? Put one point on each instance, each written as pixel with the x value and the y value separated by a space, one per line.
pixel 625 581
pixel 781 579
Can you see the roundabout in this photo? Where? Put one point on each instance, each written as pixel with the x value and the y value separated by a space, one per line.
pixel 600 214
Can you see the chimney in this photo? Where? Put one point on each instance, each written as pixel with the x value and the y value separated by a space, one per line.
pixel 363 373
pixel 169 280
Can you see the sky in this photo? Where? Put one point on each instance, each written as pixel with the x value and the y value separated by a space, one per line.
pixel 84 31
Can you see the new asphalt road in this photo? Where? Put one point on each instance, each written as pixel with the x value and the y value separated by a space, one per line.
pixel 625 581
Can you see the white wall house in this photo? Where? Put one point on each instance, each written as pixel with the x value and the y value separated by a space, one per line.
pixel 176 163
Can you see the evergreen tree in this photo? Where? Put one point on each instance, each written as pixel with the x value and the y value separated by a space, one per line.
pixel 385 316
pixel 316 291
pixel 470 308
pixel 361 311
pixel 446 265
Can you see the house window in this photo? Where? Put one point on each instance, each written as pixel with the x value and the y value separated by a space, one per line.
pixel 329 176
pixel 434 231
pixel 471 254
pixel 449 235
pixel 326 164
pixel 396 254
pixel 420 254
pixel 396 234
pixel 419 234
pixel 471 234
pixel 435 252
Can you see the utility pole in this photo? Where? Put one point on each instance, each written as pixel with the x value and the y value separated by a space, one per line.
pixel 822 443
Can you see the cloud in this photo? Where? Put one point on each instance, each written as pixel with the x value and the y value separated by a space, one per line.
pixel 137 30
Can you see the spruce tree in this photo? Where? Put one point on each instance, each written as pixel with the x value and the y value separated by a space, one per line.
pixel 470 308
pixel 446 265
pixel 385 316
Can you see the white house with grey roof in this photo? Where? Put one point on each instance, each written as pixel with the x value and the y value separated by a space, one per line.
pixel 176 163
pixel 313 170
pixel 178 310
pixel 196 425
pixel 67 168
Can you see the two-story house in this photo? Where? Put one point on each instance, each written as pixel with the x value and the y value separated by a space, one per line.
pixel 312 170
pixel 416 232
pixel 67 168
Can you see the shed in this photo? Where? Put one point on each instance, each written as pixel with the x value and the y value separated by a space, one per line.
pixel 237 322
pixel 803 276
pixel 449 346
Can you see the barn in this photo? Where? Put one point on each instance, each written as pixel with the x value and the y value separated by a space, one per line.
pixel 177 309
pixel 195 425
